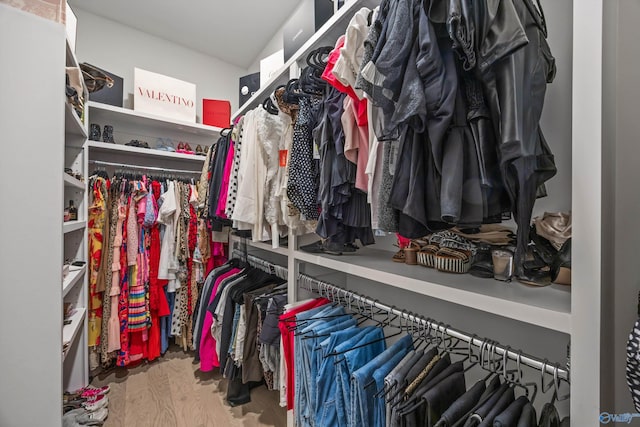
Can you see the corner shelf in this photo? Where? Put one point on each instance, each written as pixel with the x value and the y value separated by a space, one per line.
pixel 72 279
pixel 325 36
pixel 72 123
pixel 70 331
pixel 70 181
pixel 110 114
pixel 70 226
pixel 548 307
pixel 104 147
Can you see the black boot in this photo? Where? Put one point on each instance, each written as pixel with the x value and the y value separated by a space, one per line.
pixel 107 134
pixel 94 132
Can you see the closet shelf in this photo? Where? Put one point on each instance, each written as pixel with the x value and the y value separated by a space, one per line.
pixel 70 181
pixel 70 226
pixel 109 114
pixel 71 331
pixel 72 279
pixel 325 36
pixel 283 250
pixel 105 147
pixel 72 123
pixel 548 307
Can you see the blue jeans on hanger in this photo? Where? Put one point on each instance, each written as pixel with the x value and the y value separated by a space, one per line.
pixel 352 360
pixel 300 371
pixel 361 395
pixel 303 372
pixel 326 411
pixel 314 334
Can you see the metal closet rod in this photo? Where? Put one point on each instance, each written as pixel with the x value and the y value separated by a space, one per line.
pixel 331 291
pixel 125 165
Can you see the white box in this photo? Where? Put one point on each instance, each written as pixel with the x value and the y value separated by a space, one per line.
pixel 164 96
pixel 270 65
pixel 71 25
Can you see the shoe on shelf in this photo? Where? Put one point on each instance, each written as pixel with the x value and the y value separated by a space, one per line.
pixel 199 151
pixel 94 132
pixel 107 134
pixel 163 144
pixel 561 265
pixel 187 149
pixel 180 148
pixel 313 248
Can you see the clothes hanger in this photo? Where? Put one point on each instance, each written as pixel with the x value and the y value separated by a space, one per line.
pixel 509 376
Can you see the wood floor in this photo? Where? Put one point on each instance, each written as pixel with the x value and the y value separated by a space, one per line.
pixel 172 392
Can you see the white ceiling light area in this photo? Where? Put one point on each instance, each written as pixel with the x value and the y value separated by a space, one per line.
pixel 234 31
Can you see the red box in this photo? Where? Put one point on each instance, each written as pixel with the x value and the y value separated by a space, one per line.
pixel 216 113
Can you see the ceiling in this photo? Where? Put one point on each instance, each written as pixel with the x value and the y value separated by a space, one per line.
pixel 232 30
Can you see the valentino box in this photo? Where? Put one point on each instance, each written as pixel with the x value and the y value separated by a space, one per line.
pixel 164 96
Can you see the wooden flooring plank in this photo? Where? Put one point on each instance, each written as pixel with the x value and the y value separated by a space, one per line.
pixel 172 392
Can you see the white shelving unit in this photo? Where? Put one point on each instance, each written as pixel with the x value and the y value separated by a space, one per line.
pixel 75 366
pixel 70 226
pixel 549 307
pixel 72 279
pixel 73 330
pixel 72 122
pixel 131 118
pixel 70 181
pixel 119 149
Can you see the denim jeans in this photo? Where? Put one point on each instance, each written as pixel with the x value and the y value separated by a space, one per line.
pixel 362 383
pixel 351 361
pixel 301 371
pixel 311 337
pixel 325 407
pixel 379 411
pixel 316 356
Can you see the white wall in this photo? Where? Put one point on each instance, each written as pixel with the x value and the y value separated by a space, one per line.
pixel 275 44
pixel 118 49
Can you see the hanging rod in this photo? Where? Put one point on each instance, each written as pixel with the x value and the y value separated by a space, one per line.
pixel 255 261
pixel 331 291
pixel 124 165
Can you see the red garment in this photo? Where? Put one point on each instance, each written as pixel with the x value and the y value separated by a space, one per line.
pixel 208 355
pixel 286 324
pixel 327 75
pixel 123 299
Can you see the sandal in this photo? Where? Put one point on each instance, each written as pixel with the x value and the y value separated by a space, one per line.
pixel 399 256
pixel 453 260
pixel 411 253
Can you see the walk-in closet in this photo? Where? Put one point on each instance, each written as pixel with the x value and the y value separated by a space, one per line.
pixel 320 213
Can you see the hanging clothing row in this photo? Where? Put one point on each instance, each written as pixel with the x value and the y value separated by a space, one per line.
pixel 148 255
pixel 235 326
pixel 343 373
pixel 412 123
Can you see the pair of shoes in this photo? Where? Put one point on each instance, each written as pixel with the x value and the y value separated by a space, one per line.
pixel 163 144
pixel 328 247
pixel 199 151
pixel 91 391
pixel 445 251
pixel 184 148
pixel 136 143
pixel 548 264
pixel 94 405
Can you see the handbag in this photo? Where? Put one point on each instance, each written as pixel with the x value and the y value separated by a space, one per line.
pixel 94 78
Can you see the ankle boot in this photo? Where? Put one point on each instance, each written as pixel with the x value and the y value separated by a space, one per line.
pixel 94 132
pixel 107 134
